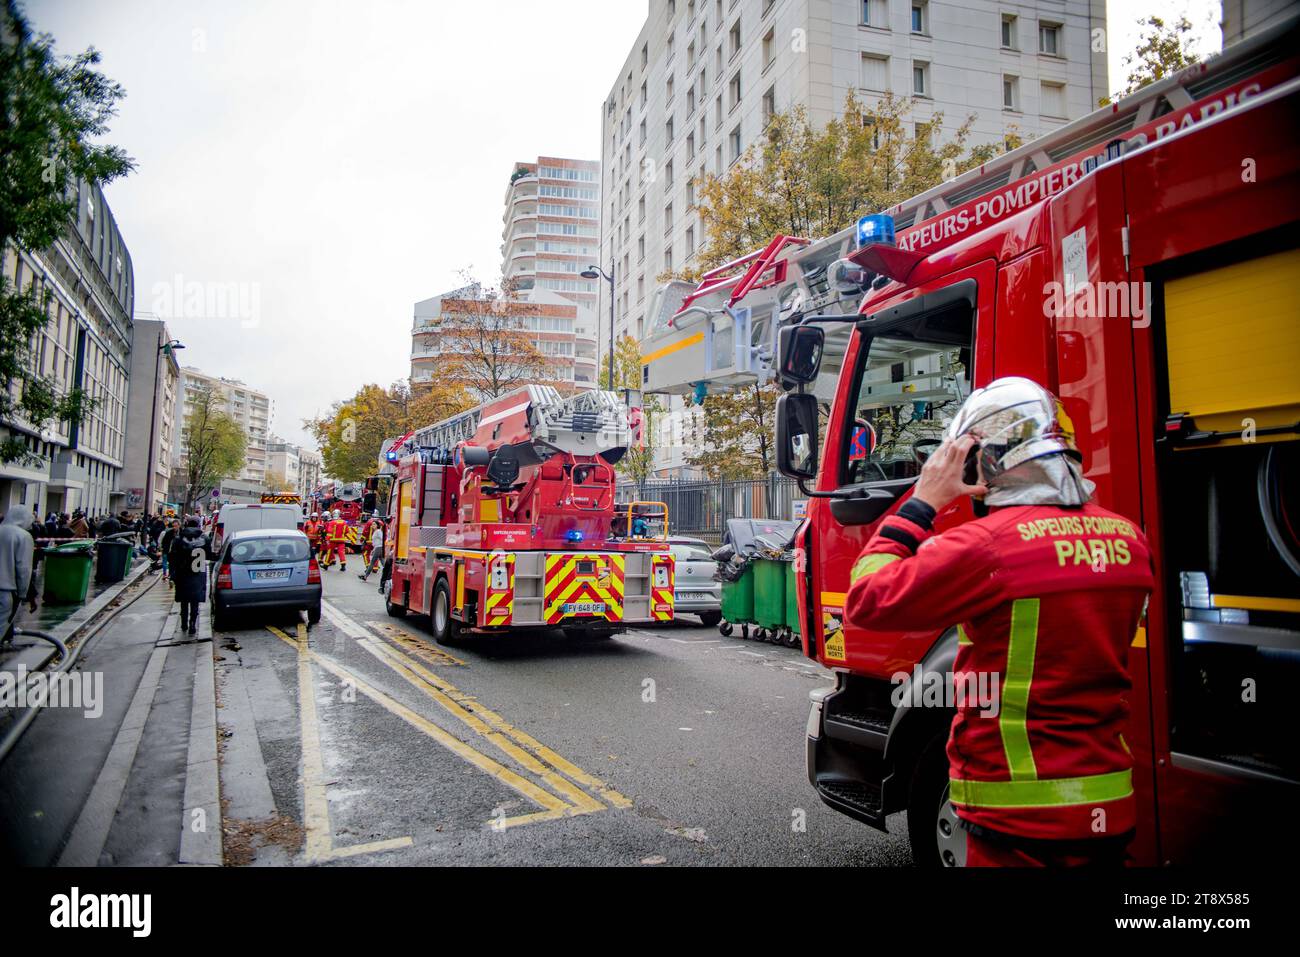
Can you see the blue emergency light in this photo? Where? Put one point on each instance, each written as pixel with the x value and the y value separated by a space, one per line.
pixel 573 535
pixel 877 228
pixel 391 455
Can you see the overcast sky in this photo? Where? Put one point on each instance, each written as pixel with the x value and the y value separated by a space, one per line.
pixel 327 164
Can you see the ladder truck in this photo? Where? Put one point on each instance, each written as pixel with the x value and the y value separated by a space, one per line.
pixel 1143 263
pixel 501 518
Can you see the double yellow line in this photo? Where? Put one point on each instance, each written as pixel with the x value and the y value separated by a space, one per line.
pixel 564 799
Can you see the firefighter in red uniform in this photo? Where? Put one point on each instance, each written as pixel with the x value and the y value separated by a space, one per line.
pixel 366 531
pixel 1047 591
pixel 336 544
pixel 312 529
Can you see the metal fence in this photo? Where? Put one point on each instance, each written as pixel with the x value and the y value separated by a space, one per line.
pixel 701 509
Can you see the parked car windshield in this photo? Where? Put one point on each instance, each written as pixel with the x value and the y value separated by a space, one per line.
pixel 693 553
pixel 265 550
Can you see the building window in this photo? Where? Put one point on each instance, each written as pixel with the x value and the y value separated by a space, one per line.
pixel 735 38
pixel 734 87
pixel 645 56
pixel 920 78
pixel 769 48
pixel 690 241
pixel 671 87
pixel 1010 93
pixel 1049 38
pixel 769 105
pixel 875 13
pixel 1009 33
pixel 734 140
pixel 668 218
pixel 690 101
pixel 640 252
pixel 875 72
pixel 668 174
pixel 668 130
pixel 690 146
pixel 690 55
pixel 920 17
pixel 645 96
pixel 672 46
pixel 640 210
pixel 642 137
pixel 1052 102
pixel 668 259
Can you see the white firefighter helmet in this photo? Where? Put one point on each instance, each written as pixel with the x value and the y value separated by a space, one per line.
pixel 1027 451
pixel 336 514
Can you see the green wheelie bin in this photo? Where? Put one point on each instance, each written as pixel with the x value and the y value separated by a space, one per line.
pixel 791 606
pixel 738 599
pixel 67 573
pixel 769 595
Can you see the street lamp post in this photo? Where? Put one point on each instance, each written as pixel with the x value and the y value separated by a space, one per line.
pixel 169 347
pixel 595 272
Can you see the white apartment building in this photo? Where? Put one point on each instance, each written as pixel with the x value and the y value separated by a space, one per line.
pixel 563 329
pixel 551 227
pixel 703 76
pixel 252 409
pixel 86 344
pixel 298 467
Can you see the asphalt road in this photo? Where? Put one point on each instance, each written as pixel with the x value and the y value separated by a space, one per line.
pixel 368 744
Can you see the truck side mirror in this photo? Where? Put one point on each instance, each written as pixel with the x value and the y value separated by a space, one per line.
pixel 796 435
pixel 800 354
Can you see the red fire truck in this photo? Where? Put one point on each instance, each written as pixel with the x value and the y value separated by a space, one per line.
pixel 1143 263
pixel 501 518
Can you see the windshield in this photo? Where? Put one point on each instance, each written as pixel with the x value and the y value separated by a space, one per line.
pixel 269 550
pixel 909 392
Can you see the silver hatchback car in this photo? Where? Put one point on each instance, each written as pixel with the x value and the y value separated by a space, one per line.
pixel 696 593
pixel 265 569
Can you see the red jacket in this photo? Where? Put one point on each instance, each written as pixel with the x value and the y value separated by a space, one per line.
pixel 1048 601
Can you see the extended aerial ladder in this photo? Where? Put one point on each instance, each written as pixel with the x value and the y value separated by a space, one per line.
pixel 722 332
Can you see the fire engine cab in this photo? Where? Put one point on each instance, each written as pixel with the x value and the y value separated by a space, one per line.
pixel 1142 263
pixel 501 518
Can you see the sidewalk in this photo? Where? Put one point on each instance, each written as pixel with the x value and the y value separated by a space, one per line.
pixel 61 620
pixel 135 784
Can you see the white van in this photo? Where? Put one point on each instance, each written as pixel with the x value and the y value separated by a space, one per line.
pixel 243 518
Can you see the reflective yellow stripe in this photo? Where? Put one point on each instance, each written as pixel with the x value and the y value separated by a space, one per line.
pixel 962 637
pixel 1060 792
pixel 870 564
pixel 1021 646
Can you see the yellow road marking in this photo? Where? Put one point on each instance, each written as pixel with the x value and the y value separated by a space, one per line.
pixel 465 704
pixel 516 782
pixel 458 703
pixel 413 673
pixel 435 656
pixel 316 811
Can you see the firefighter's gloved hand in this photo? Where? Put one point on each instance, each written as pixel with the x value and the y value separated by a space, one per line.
pixel 941 482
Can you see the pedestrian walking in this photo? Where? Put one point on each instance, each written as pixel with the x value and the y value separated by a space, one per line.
pixel 188 561
pixel 375 549
pixel 16 549
pixel 164 545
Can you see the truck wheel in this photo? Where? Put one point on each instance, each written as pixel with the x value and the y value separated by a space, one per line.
pixel 394 611
pixel 710 619
pixel 932 828
pixel 726 628
pixel 446 630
